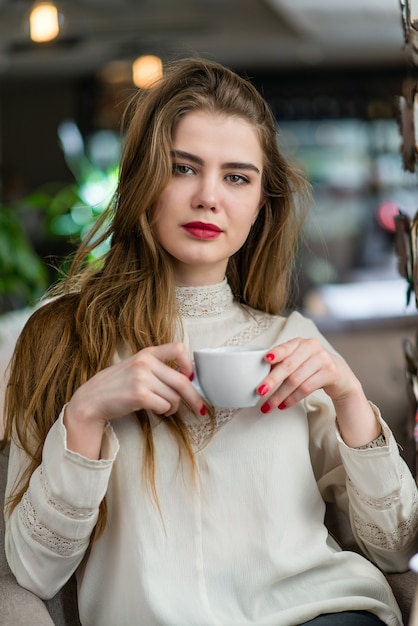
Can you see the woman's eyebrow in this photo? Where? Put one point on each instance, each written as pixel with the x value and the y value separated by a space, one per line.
pixel 240 166
pixel 232 165
pixel 180 154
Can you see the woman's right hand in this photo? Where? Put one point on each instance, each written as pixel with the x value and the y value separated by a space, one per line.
pixel 145 380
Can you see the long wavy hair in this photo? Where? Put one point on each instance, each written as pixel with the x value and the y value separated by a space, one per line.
pixel 129 295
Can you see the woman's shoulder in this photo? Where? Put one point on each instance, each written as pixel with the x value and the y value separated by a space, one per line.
pixel 297 324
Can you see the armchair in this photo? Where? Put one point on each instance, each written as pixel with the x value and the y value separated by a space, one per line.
pixel 20 607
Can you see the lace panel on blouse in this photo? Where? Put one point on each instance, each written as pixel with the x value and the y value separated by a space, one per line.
pixel 373 534
pixel 201 429
pixel 207 301
pixel 51 540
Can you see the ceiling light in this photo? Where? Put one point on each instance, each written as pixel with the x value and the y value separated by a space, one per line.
pixel 44 22
pixel 146 70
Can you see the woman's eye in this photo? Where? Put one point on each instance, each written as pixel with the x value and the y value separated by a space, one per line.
pixel 238 179
pixel 180 169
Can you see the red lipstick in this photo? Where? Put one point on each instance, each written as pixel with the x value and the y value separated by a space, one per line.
pixel 202 230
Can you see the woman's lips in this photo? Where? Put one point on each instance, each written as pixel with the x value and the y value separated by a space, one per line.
pixel 201 230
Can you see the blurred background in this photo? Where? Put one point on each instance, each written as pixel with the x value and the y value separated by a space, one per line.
pixel 333 73
pixel 338 76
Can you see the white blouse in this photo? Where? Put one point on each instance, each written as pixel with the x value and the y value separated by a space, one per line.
pixel 244 541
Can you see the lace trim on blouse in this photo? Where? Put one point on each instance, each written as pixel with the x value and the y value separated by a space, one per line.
pixel 378 442
pixel 207 301
pixel 201 429
pixel 51 540
pixel 372 534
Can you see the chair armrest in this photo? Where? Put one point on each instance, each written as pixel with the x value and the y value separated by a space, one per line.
pixel 404 586
pixel 20 607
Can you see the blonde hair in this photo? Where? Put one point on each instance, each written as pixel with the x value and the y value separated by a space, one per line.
pixel 129 296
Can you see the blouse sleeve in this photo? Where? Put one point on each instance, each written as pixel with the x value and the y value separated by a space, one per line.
pixel 383 502
pixel 373 485
pixel 48 532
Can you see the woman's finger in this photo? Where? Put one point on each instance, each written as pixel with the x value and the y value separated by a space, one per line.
pixel 299 368
pixel 287 359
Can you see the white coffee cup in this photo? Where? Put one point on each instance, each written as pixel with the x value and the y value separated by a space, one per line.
pixel 229 376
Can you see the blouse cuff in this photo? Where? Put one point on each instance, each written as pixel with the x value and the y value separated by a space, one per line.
pixel 381 440
pixel 110 444
pixel 65 470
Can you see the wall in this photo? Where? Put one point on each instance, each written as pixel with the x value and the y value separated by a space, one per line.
pixel 375 354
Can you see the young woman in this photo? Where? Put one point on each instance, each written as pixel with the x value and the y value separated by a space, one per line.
pixel 169 511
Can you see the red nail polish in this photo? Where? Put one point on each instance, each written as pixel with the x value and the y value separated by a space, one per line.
pixel 270 356
pixel 265 408
pixel 262 390
pixel 191 377
pixel 203 410
pixel 282 406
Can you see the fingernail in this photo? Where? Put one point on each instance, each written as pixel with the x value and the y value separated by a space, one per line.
pixel 270 356
pixel 266 407
pixel 191 377
pixel 203 410
pixel 282 406
pixel 262 390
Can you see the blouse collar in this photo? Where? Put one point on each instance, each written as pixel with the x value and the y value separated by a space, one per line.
pixel 206 301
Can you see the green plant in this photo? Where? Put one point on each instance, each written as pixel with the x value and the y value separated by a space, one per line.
pixel 23 275
pixel 64 212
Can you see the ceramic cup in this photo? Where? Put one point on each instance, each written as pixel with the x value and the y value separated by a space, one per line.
pixel 229 376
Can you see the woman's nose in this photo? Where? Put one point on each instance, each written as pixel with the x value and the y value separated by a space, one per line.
pixel 206 194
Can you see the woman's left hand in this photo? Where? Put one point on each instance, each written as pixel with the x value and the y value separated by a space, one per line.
pixel 301 366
